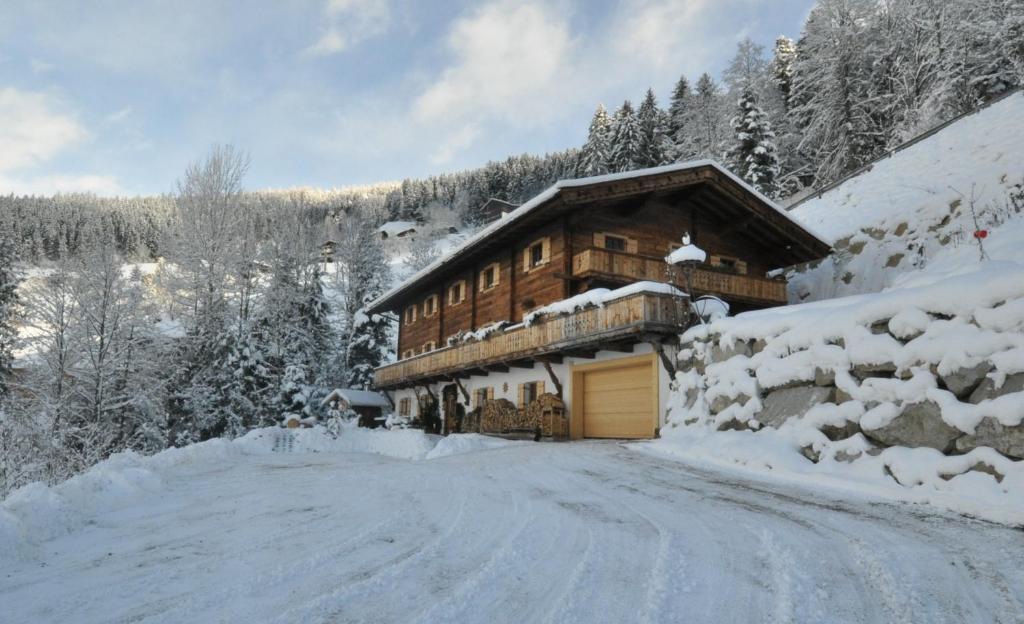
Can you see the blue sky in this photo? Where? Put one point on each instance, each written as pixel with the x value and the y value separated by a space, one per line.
pixel 117 97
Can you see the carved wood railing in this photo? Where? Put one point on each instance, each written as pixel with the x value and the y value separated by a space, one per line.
pixel 632 267
pixel 629 316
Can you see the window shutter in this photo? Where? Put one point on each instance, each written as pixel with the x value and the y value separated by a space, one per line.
pixel 546 246
pixel 480 281
pixel 490 393
pixel 497 273
pixel 522 395
pixel 741 267
pixel 632 246
pixel 526 260
pixel 540 388
pixel 715 260
pixel 599 240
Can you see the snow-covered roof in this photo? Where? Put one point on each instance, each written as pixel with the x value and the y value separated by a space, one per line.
pixel 553 191
pixel 395 228
pixel 357 398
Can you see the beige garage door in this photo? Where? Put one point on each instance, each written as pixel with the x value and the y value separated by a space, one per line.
pixel 620 401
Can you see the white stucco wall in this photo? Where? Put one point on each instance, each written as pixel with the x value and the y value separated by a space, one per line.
pixel 506 385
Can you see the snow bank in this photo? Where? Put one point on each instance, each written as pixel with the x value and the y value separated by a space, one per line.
pixel 36 513
pixel 918 391
pixel 907 220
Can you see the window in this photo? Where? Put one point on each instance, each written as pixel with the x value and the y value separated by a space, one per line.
pixel 404 406
pixel 537 254
pixel 410 315
pixel 529 391
pixel 730 264
pixel 430 306
pixel 457 293
pixel 429 346
pixel 614 243
pixel 489 277
pixel 408 353
pixel 481 396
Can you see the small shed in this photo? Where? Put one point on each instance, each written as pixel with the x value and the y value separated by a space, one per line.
pixel 369 405
pixel 396 229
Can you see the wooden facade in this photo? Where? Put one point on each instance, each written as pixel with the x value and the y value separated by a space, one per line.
pixel 598 232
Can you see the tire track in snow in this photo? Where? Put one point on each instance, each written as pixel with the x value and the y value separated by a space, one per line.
pixel 884 584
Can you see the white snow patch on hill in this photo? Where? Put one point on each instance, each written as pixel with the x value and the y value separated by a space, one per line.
pixel 907 220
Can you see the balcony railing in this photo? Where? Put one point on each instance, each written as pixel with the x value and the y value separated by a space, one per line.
pixel 623 267
pixel 617 321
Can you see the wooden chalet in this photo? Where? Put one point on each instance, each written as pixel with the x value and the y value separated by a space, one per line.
pixel 462 342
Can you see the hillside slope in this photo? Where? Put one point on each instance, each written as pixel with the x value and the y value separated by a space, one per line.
pixel 907 219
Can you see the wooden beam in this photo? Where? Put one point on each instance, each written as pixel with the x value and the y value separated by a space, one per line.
pixel 462 389
pixel 521 363
pixel 581 353
pixel 497 368
pixel 620 347
pixel 554 378
pixel 476 371
pixel 554 358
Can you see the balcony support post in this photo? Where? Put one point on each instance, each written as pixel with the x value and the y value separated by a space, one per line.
pixel 462 389
pixel 554 378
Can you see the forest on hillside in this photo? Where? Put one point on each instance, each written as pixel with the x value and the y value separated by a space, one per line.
pixel 146 322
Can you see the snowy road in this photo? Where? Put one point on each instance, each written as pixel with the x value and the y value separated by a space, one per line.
pixel 582 532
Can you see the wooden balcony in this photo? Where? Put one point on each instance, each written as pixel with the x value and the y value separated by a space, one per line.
pixel 621 321
pixel 621 267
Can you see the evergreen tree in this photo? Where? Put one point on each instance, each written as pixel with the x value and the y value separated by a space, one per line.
pixel 654 144
pixel 365 337
pixel 753 155
pixel 626 142
pixel 8 310
pixel 595 155
pixel 680 122
pixel 781 68
pixel 709 133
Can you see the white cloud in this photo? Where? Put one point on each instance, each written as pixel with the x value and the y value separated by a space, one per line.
pixel 34 129
pixel 510 63
pixel 348 23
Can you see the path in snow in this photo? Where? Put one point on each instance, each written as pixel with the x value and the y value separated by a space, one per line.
pixel 582 532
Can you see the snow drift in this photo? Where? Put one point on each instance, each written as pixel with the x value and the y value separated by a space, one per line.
pixel 36 512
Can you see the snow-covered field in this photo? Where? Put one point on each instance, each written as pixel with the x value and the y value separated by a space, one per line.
pixel 481 530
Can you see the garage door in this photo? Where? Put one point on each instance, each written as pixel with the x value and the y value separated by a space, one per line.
pixel 619 401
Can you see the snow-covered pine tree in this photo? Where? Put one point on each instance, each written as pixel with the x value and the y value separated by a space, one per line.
pixel 366 276
pixel 595 155
pixel 9 281
pixel 753 156
pixel 654 143
pixel 681 121
pixel 626 143
pixel 781 68
pixel 710 118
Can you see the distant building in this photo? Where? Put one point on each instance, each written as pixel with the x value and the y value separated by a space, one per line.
pixel 397 229
pixel 493 208
pixel 369 405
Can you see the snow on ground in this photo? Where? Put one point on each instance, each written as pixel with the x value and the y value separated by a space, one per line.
pixel 908 217
pixel 582 532
pixel 37 513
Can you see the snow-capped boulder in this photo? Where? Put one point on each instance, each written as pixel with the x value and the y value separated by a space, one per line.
pixel 963 381
pixel 781 405
pixel 988 390
pixel 991 433
pixel 916 425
